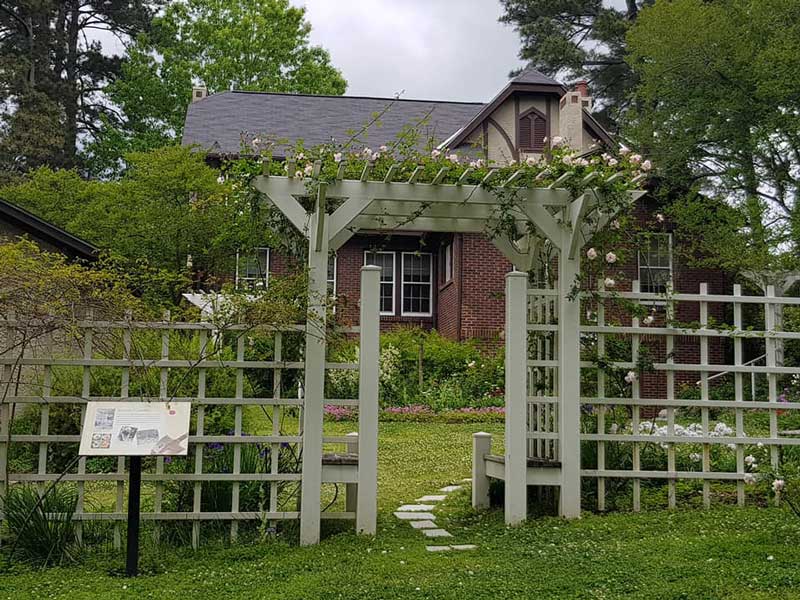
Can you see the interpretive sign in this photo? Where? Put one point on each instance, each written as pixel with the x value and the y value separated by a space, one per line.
pixel 135 429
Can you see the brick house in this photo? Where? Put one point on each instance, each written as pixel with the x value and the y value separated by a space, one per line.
pixel 451 282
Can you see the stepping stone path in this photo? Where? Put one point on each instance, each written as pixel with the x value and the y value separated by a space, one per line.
pixel 420 518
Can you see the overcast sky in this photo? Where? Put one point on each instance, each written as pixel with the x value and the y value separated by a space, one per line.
pixel 429 49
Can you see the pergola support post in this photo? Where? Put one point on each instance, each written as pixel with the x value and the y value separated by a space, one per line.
pixel 516 447
pixel 569 376
pixel 315 351
pixel 369 353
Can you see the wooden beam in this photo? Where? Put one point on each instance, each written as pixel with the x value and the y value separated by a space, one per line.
pixel 365 173
pixel 390 173
pixel 455 225
pixel 434 209
pixel 544 222
pixel 415 174
pixel 340 171
pixel 489 176
pixel 463 178
pixel 343 217
pixel 265 162
pixel 577 211
pixel 517 174
pixel 511 251
pixel 440 176
pixel 278 193
pixel 320 216
pixel 561 180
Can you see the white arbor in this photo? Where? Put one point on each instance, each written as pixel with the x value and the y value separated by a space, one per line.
pixel 547 215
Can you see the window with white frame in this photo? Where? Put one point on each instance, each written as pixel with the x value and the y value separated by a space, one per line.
pixel 655 262
pixel 332 276
pixel 417 288
pixel 447 263
pixel 384 260
pixel 252 269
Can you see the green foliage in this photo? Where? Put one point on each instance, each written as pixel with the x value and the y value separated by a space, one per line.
pixel 584 38
pixel 168 206
pixel 255 45
pixel 44 534
pixel 717 107
pixel 54 69
pixel 453 374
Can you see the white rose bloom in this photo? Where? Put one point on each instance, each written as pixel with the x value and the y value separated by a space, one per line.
pixel 591 254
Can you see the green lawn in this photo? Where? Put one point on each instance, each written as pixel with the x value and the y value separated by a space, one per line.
pixel 723 553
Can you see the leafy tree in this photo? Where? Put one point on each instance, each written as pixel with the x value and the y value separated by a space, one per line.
pixel 255 45
pixel 167 219
pixel 579 39
pixel 52 72
pixel 718 109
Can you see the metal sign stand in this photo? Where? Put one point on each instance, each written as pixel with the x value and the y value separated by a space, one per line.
pixel 134 517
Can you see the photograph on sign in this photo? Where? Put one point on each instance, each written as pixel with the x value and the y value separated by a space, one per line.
pixel 136 429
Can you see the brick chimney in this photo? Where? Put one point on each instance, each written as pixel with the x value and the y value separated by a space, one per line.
pixel 199 92
pixel 570 118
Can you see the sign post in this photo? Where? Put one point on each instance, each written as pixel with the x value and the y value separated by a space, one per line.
pixel 135 429
pixel 134 502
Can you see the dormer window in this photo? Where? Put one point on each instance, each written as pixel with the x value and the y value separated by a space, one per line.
pixel 532 131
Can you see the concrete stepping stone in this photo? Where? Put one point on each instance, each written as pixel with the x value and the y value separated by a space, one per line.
pixel 436 533
pixel 414 516
pixel 432 498
pixel 463 546
pixel 450 488
pixel 416 508
pixel 423 524
pixel 437 548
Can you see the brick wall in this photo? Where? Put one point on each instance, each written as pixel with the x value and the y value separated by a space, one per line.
pixel 483 280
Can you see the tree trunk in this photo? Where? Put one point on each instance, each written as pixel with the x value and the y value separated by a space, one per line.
pixel 71 95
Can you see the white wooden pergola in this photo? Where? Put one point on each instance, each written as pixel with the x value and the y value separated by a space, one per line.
pixel 541 214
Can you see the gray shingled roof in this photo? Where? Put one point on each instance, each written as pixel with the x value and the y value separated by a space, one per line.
pixel 216 123
pixel 535 77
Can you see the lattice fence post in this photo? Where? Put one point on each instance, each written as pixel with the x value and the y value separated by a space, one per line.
pixel 569 382
pixel 369 366
pixel 636 412
pixel 602 408
pixel 516 459
pixel 670 360
pixel 704 394
pixel 770 346
pixel 197 499
pixel 315 356
pixel 738 394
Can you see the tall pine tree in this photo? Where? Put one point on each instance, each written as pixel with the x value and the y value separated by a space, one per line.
pixel 53 69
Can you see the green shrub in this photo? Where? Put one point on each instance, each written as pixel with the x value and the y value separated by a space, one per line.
pixel 45 534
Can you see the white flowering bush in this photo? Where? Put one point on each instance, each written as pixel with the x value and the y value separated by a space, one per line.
pixel 343 383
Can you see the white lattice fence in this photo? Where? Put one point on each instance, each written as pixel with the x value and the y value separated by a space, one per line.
pixel 192 362
pixel 690 412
